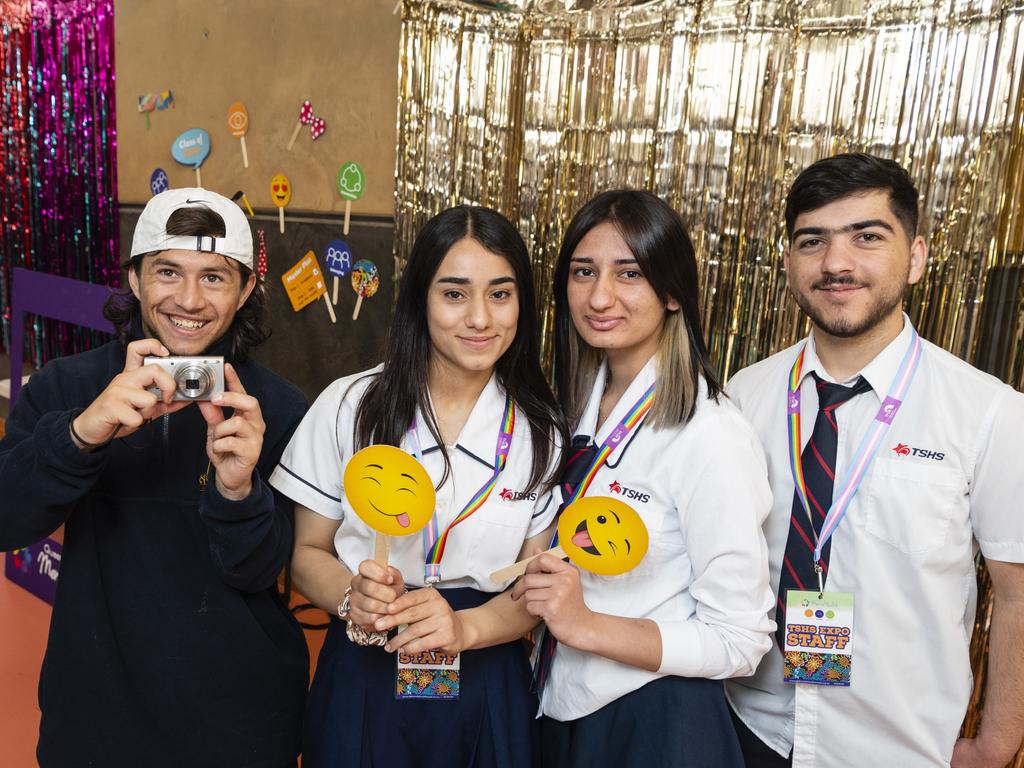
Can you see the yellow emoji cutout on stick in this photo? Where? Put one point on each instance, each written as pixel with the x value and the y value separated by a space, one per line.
pixel 281 194
pixel 597 533
pixel 390 491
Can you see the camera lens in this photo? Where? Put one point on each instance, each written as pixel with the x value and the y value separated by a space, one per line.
pixel 194 380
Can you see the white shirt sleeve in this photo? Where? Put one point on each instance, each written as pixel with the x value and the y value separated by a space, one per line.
pixel 997 490
pixel 311 467
pixel 721 517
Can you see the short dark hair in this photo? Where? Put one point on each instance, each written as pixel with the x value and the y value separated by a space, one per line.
pixel 247 330
pixel 855 173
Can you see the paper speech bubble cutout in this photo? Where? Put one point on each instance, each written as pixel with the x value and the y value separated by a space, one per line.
pixel 338 258
pixel 280 190
pixel 351 181
pixel 389 490
pixel 191 147
pixel 603 535
pixel 238 119
pixel 158 181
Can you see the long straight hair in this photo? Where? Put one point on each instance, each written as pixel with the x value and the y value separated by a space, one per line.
pixel 389 404
pixel 658 240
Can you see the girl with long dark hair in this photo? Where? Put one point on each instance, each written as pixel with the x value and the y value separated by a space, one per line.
pixel 630 667
pixel 460 370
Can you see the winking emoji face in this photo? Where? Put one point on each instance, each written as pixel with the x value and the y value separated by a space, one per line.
pixel 603 535
pixel 389 490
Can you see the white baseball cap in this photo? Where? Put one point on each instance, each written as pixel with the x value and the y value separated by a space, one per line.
pixel 151 229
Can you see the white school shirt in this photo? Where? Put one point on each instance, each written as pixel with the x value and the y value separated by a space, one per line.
pixel 311 469
pixel 945 480
pixel 702 491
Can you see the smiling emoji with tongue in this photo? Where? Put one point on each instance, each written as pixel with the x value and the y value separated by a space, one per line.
pixel 602 535
pixel 389 490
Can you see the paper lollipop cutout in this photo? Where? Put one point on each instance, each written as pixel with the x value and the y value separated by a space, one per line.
pixel 281 194
pixel 158 181
pixel 191 148
pixel 351 185
pixel 317 125
pixel 338 259
pixel 599 534
pixel 391 492
pixel 238 124
pixel 365 282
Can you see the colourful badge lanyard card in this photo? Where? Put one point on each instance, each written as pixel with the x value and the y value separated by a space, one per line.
pixel 621 431
pixel 865 451
pixel 433 542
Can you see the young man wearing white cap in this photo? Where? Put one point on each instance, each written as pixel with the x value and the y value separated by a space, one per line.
pixel 169 643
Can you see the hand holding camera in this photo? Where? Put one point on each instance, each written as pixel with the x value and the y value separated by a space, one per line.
pixel 233 444
pixel 136 395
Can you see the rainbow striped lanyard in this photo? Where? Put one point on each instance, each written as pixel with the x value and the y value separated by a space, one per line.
pixel 433 541
pixel 865 451
pixel 617 435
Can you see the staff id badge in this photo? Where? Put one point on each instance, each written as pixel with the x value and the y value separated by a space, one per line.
pixel 819 637
pixel 427 675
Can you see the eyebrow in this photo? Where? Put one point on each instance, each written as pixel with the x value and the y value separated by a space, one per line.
pixel 378 466
pixel 854 227
pixel 411 478
pixel 467 281
pixel 585 260
pixel 161 261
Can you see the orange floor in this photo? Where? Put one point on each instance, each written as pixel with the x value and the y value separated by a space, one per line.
pixel 24 621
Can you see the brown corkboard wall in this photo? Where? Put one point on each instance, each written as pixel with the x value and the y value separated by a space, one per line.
pixel 270 55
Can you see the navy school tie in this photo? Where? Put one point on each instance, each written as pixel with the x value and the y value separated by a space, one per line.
pixel 819 462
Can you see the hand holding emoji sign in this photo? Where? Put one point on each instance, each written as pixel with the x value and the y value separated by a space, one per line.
pixel 599 534
pixel 391 492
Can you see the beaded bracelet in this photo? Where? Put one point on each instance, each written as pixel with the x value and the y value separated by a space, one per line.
pixel 356 633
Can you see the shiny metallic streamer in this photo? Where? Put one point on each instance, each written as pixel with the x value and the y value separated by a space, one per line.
pixel 57 154
pixel 716 105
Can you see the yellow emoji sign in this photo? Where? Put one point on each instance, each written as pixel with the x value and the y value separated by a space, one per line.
pixel 389 490
pixel 280 190
pixel 603 535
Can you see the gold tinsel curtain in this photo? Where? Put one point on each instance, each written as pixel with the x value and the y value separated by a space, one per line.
pixel 716 106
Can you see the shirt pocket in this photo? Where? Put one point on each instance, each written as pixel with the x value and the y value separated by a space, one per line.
pixel 909 506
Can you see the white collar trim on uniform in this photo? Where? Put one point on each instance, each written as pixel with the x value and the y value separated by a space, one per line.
pixel 479 434
pixel 636 388
pixel 879 372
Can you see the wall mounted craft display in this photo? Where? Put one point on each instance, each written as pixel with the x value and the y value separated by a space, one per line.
pixel 58 164
pixel 716 106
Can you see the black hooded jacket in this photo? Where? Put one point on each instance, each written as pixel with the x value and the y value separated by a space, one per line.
pixel 169 644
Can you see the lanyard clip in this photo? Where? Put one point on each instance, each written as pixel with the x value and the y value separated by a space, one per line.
pixel 430 581
pixel 821 582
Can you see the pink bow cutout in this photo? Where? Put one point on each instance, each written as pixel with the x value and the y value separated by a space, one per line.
pixel 317 125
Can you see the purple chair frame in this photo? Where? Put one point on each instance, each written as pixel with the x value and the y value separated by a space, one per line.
pixel 56 297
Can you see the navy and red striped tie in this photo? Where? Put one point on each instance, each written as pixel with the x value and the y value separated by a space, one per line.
pixel 819 462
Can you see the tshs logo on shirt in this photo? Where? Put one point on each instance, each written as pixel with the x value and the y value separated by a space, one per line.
pixel 615 487
pixel 922 453
pixel 510 495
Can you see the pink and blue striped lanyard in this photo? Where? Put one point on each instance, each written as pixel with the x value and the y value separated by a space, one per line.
pixel 433 540
pixel 866 451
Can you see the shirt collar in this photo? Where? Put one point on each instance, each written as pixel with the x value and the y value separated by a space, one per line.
pixel 879 373
pixel 636 388
pixel 479 435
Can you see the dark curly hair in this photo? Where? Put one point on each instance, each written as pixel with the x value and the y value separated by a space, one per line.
pixel 247 330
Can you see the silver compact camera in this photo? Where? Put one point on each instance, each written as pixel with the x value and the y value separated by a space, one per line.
pixel 198 378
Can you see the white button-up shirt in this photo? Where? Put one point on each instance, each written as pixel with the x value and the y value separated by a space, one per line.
pixel 702 492
pixel 311 469
pixel 945 480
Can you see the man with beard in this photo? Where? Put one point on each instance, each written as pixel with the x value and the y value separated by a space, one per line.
pixel 169 643
pixel 902 466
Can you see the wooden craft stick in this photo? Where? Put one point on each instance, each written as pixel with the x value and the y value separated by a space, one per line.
pixel 381 549
pixel 330 307
pixel 516 570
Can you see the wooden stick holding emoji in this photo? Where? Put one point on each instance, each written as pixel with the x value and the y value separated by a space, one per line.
pixel 599 534
pixel 391 492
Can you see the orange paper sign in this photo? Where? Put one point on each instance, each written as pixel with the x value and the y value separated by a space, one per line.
pixel 304 282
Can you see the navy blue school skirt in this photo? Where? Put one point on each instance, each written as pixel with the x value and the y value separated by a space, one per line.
pixel 680 722
pixel 354 721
